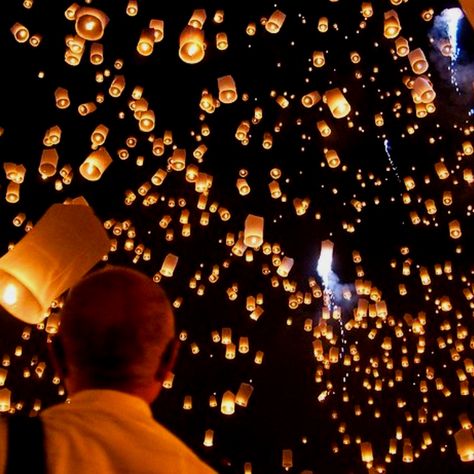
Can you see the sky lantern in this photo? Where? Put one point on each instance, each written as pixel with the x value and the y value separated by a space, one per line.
pixel 146 41
pixel 198 18
pixel 95 164
pixel 418 62
pixel 49 162
pixel 227 89
pixel 275 22
pixel 90 23
pixel 337 103
pixel 191 45
pixel 253 234
pixel 391 24
pixel 71 240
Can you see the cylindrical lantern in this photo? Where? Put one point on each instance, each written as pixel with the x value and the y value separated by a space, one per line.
pixel 169 265
pixel 253 233
pixel 177 160
pixel 221 41
pixel 20 32
pixel 158 29
pixel 424 88
pixel 465 444
pixel 228 403
pixel 337 103
pixel 61 97
pixel 198 18
pixel 284 268
pixel 95 164
pixel 208 438
pixel 49 162
pixel 318 58
pixel 117 86
pixel 275 22
pixel 418 62
pixel 90 23
pixel 99 135
pixel 191 45
pixel 96 54
pixel 401 46
pixel 332 158
pixel 13 193
pixel 391 24
pixel 366 451
pixel 310 99
pixel 65 243
pixel 455 229
pixel 146 42
pixel 147 121
pixel 227 89
pixel 5 400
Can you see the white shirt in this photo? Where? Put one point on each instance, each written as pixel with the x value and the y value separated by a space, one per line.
pixel 109 432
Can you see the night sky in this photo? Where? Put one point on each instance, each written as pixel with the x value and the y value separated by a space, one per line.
pixel 367 385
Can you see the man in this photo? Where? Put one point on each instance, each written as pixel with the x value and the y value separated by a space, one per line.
pixel 115 345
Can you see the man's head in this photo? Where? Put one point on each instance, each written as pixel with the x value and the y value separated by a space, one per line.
pixel 117 332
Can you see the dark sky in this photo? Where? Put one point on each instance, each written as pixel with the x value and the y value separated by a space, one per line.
pixel 283 411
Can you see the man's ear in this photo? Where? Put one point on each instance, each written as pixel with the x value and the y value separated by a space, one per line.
pixel 168 359
pixel 58 356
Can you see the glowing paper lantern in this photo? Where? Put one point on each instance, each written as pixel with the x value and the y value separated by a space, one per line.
pixel 318 58
pixel 65 243
pixel 20 32
pixel 332 158
pixel 49 162
pixel 61 97
pixel 13 193
pixel 465 444
pixel 391 24
pixel 337 103
pixel 198 18
pixel 117 86
pixel 90 23
pixel 275 22
pixel 253 233
pixel 284 268
pixel 401 46
pixel 228 403
pixel 169 265
pixel 191 45
pixel 418 62
pixel 95 164
pixel 310 99
pixel 455 229
pixel 146 42
pixel 5 400
pixel 158 29
pixel 227 89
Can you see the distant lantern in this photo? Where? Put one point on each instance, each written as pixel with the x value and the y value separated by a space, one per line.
pixel 13 193
pixel 221 41
pixel 208 438
pixel 243 186
pixel 96 54
pixel 177 160
pixel 191 45
pixel 467 148
pixel 90 23
pixel 49 162
pixel 275 22
pixel 20 32
pixel 117 86
pixel 147 121
pixel 366 452
pixel 323 24
pixel 86 108
pixel 251 29
pixel 337 103
pixel 465 444
pixel 287 459
pixel 401 46
pixel 228 403
pixel 424 88
pixel 286 265
pixel 455 229
pixel 318 58
pixel 227 89
pixel 95 164
pixel 146 41
pixel 169 265
pixel 332 158
pixel 311 98
pixel 158 178
pixel 253 233
pixel 158 27
pixel 72 240
pixel 418 62
pixel 5 400
pixel 391 24
pixel 198 18
pixel 99 135
pixel 367 9
pixel 323 128
pixel 132 8
pixel 61 97
pixel 441 170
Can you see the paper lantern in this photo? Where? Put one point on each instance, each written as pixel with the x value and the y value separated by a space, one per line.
pixel 467 148
pixel 20 32
pixel 96 54
pixel 90 23
pixel 87 108
pixel 253 233
pixel 366 451
pixel 198 18
pixel 465 444
pixel 147 121
pixel 191 45
pixel 132 8
pixel 401 46
pixel 284 268
pixel 5 400
pixel 208 438
pixel 65 243
pixel 455 229
pixel 146 41
pixel 49 162
pixel 445 46
pixel 117 86
pixel 222 42
pixel 251 29
pixel 99 135
pixel 337 103
pixel 227 89
pixel 61 97
pixel 158 27
pixel 323 24
pixel 228 403
pixel 391 24
pixel 169 265
pixel 318 58
pixel 275 22
pixel 418 62
pixel 367 10
pixel 13 193
pixel 95 164
pixel 287 459
pixel 332 158
pixel 310 99
pixel 424 88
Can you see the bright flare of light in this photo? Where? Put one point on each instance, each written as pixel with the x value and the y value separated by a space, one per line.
pixel 325 261
pixel 10 294
pixel 453 16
